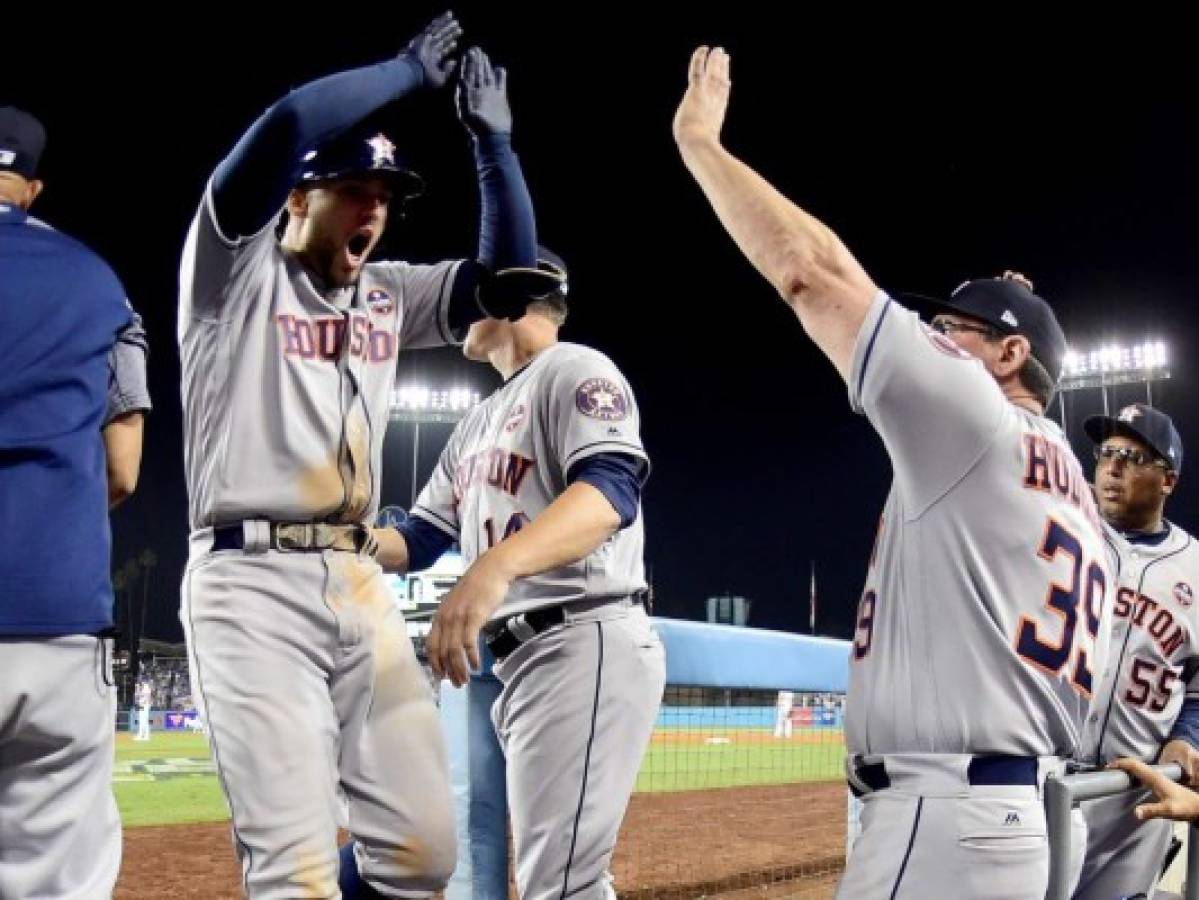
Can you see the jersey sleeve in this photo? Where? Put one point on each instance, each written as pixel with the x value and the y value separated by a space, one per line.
pixel 438 501
pixel 211 260
pixel 935 406
pixel 590 409
pixel 127 383
pixel 425 292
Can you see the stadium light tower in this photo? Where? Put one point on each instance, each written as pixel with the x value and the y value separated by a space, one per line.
pixel 1113 364
pixel 419 404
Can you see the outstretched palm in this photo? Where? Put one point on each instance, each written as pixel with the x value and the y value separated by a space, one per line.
pixel 701 112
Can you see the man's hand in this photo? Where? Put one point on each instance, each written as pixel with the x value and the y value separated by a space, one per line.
pixel 701 113
pixel 1175 801
pixel 1179 751
pixel 432 49
pixel 482 96
pixel 453 642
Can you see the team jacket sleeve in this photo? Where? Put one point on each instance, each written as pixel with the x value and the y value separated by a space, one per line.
pixel 935 407
pixel 590 409
pixel 127 383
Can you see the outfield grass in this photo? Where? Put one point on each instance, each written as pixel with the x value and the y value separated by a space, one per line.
pixel 150 793
pixel 156 782
pixel 685 760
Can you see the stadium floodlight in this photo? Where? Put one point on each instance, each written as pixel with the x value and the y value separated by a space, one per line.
pixel 420 404
pixel 414 402
pixel 1113 364
pixel 1116 364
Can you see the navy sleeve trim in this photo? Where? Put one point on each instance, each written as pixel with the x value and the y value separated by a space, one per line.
pixel 618 476
pixel 425 541
pixel 870 349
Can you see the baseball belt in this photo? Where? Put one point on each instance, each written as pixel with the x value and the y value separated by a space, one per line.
pixel 995 769
pixel 301 537
pixel 505 636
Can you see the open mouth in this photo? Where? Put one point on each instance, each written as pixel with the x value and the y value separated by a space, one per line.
pixel 358 243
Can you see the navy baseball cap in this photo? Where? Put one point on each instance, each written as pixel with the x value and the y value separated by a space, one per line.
pixel 362 153
pixel 1150 426
pixel 1010 307
pixel 22 140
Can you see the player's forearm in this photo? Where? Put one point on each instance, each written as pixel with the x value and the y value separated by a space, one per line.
pixel 507 228
pixel 801 257
pixel 123 453
pixel 392 555
pixel 570 528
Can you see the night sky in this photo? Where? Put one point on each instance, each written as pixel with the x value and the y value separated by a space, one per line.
pixel 938 153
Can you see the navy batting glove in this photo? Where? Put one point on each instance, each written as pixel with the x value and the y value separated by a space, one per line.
pixel 482 95
pixel 433 49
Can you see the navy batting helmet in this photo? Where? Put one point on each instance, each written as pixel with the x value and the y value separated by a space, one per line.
pixel 361 153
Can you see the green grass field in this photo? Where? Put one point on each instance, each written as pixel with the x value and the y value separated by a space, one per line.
pixel 686 759
pixel 168 780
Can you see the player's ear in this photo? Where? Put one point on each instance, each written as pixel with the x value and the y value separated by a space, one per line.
pixel 297 203
pixel 1169 483
pixel 1016 351
pixel 32 190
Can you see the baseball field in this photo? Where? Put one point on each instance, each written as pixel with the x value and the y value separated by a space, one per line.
pixel 716 812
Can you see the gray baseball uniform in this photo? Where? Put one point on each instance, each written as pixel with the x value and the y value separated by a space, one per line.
pixel 285 392
pixel 1154 665
pixel 579 700
pixel 980 630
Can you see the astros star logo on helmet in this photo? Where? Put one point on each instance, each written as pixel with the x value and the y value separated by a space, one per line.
pixel 383 151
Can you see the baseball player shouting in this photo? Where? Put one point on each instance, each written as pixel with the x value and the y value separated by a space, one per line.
pixel 318 713
pixel 980 632
pixel 1147 702
pixel 541 486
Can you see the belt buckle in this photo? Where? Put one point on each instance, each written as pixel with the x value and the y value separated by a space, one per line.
pixel 293 536
pixel 519 627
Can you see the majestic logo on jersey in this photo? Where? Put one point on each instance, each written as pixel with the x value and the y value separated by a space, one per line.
pixel 601 399
pixel 516 419
pixel 383 151
pixel 379 302
pixel 1013 818
pixel 944 343
pixel 326 339
pixel 1183 594
pixel 1129 414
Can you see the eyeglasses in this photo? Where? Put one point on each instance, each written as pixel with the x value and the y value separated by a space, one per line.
pixel 1131 455
pixel 950 326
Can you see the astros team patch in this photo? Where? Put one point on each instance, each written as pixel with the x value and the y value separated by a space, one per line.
pixel 1183 594
pixel 601 399
pixel 380 302
pixel 944 343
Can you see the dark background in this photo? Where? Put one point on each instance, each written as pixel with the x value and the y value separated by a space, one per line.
pixel 939 149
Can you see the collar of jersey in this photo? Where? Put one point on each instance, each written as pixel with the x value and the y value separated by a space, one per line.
pixel 11 214
pixel 1151 540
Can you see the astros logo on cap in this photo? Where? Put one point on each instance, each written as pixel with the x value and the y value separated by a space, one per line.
pixel 383 151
